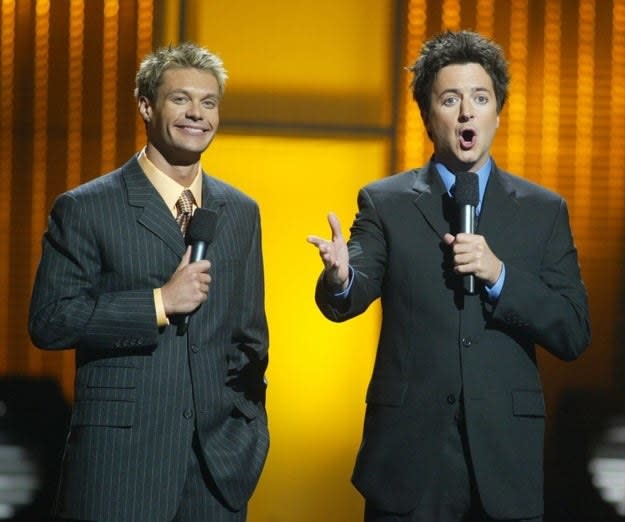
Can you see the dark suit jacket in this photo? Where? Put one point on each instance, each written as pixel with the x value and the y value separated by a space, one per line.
pixel 437 345
pixel 140 391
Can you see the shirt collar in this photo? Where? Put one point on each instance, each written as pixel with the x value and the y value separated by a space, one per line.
pixel 448 178
pixel 169 189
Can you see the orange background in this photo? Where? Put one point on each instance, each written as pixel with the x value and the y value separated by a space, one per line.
pixel 317 105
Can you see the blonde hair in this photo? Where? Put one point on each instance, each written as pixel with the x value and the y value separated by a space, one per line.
pixel 185 55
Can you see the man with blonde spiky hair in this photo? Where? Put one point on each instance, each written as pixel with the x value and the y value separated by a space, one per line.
pixel 169 422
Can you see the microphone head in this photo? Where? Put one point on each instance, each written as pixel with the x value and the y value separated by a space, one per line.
pixel 466 189
pixel 202 226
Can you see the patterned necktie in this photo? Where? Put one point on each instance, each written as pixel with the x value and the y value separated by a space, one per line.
pixel 184 206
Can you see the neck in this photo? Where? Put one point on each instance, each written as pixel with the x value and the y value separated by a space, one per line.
pixel 182 172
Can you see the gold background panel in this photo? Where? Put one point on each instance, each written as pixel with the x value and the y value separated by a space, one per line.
pixel 297 61
pixel 318 370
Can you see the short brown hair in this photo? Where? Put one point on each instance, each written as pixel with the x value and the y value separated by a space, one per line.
pixel 460 47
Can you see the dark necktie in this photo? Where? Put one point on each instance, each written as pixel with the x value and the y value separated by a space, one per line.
pixel 184 206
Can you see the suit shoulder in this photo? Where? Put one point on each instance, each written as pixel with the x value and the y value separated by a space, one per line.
pixel 104 189
pixel 228 192
pixel 103 186
pixel 525 188
pixel 399 181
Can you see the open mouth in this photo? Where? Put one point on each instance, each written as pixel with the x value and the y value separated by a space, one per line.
pixel 467 138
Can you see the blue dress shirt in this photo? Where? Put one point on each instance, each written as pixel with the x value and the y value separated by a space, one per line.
pixel 448 178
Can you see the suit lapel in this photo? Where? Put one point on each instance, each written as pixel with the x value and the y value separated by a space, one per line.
pixel 499 208
pixel 152 213
pixel 214 199
pixel 500 205
pixel 430 198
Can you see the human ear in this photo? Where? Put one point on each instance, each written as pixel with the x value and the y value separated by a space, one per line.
pixel 145 109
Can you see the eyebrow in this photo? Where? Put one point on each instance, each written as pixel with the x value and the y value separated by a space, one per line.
pixel 473 90
pixel 182 90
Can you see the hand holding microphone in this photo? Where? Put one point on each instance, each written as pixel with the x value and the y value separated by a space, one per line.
pixel 472 255
pixel 467 195
pixel 199 235
pixel 188 286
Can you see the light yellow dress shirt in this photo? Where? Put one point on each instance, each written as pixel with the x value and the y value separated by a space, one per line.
pixel 170 191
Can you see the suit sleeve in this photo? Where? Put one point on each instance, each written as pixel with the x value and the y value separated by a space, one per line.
pixel 367 257
pixel 551 307
pixel 67 308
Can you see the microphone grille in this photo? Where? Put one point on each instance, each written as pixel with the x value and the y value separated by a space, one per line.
pixel 202 226
pixel 466 189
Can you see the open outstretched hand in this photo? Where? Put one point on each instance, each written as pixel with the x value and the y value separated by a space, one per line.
pixel 334 254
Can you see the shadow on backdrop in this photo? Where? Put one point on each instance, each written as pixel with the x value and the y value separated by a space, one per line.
pixel 33 420
pixel 585 458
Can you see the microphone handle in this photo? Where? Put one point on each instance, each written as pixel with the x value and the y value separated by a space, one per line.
pixel 198 249
pixel 467 225
pixel 469 284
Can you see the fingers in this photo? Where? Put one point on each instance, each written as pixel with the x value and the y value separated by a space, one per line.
pixel 199 286
pixel 203 265
pixel 188 286
pixel 186 294
pixel 333 253
pixel 335 228
pixel 315 240
pixel 465 250
pixel 472 255
pixel 328 254
pixel 325 248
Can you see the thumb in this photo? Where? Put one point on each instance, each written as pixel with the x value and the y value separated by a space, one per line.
pixel 185 258
pixel 335 226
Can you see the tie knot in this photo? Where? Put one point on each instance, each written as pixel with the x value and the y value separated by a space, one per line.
pixel 184 206
pixel 185 202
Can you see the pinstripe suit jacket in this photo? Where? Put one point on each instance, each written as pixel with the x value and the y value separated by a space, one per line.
pixel 140 391
pixel 437 345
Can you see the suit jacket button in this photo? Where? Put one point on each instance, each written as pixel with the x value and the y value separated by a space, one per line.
pixel 467 342
pixel 195 348
pixel 187 414
pixel 451 398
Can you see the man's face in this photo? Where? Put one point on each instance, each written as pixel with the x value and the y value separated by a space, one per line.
pixel 184 118
pixel 463 116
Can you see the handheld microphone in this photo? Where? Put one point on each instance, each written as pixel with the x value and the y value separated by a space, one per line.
pixel 200 233
pixel 467 195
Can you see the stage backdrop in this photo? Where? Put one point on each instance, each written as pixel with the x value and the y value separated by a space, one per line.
pixel 317 105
